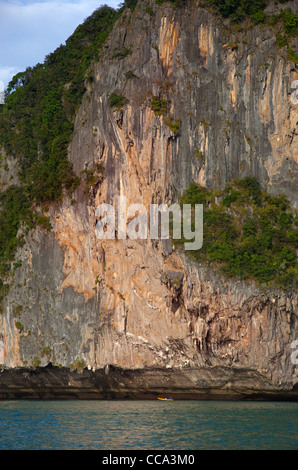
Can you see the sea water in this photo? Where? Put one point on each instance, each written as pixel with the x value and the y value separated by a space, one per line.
pixel 147 424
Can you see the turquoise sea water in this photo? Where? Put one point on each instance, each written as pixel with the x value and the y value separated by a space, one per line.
pixel 143 425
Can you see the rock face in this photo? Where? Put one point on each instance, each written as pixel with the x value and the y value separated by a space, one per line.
pixel 140 306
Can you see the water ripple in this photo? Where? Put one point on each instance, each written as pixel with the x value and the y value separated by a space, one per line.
pixel 154 425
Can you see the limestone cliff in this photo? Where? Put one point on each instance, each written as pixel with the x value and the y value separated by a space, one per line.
pixel 140 305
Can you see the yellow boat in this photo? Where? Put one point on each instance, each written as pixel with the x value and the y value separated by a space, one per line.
pixel 165 399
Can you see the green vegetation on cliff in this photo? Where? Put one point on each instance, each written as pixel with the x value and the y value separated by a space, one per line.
pixel 36 123
pixel 247 233
pixel 36 126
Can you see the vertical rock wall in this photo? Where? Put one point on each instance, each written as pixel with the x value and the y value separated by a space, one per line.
pixel 139 304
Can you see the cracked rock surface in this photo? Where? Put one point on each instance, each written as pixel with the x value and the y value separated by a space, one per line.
pixel 140 306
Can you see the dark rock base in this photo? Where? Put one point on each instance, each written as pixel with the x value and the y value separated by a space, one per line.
pixel 112 383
